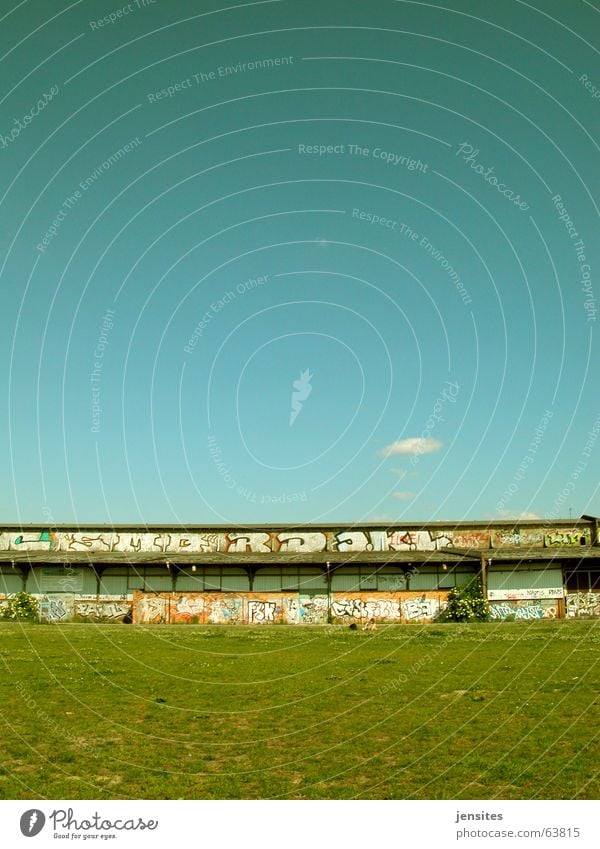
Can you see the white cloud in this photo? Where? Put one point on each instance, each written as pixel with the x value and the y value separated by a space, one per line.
pixel 403 473
pixel 414 445
pixel 404 495
pixel 508 514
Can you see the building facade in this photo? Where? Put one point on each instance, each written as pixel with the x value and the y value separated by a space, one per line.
pixel 312 574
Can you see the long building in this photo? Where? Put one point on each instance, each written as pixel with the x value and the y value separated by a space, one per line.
pixel 301 574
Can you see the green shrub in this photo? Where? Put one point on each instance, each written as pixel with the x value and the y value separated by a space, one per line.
pixel 467 604
pixel 20 606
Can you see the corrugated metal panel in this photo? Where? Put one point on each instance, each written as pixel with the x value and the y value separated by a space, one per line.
pixel 90 585
pixel 187 582
pixel 521 579
pixel 264 582
pixel 113 584
pixel 313 582
pixel 341 581
pixel 57 579
pixel 158 582
pixel 11 582
pixel 446 580
pixel 424 581
pixel 463 578
pixel 239 583
pixel 368 582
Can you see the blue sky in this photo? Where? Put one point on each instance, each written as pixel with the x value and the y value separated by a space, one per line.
pixel 294 261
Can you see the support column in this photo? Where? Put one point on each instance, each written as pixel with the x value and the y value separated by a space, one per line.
pixel 484 580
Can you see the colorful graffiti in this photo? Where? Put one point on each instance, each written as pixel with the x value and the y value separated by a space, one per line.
pixel 524 610
pixel 574 536
pixel 283 608
pixel 298 540
pixel 583 605
pixel 518 538
pixel 313 609
pixel 57 608
pixel 150 609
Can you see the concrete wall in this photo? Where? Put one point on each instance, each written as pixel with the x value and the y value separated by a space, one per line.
pixel 69 607
pixel 285 608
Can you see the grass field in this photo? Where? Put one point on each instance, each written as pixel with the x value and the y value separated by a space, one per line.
pixel 507 710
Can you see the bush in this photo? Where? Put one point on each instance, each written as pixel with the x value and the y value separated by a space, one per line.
pixel 20 606
pixel 467 604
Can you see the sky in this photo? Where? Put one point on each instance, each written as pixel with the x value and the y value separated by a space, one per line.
pixel 297 261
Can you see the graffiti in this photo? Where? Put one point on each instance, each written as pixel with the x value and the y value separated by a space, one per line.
pixel 583 605
pixel 301 541
pixel 517 538
pixel 261 611
pixel 151 610
pixel 441 539
pixel 530 592
pixel 190 606
pixel 33 543
pixel 392 582
pixel 102 610
pixel 171 543
pixel 57 608
pixel 295 540
pixel 224 611
pixel 247 542
pixel 569 537
pixel 365 609
pixel 420 608
pixel 418 540
pixel 383 609
pixel 349 608
pixel 402 540
pixel 523 610
pixel 529 611
pixel 506 539
pixel 353 541
pixel 471 539
pixel 291 610
pixel 103 542
pixel 313 609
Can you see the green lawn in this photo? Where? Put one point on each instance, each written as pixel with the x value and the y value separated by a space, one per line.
pixel 502 710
